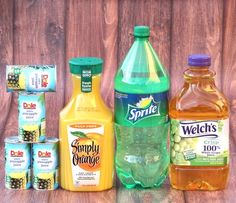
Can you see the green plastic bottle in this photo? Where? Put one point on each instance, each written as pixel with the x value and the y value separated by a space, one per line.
pixel 141 115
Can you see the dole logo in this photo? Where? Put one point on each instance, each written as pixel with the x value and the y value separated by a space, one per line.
pixel 44 80
pixel 29 105
pixel 198 129
pixel 44 154
pixel 146 107
pixel 17 153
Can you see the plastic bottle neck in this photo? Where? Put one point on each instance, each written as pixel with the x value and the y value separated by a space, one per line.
pixel 95 90
pixel 197 74
pixel 141 38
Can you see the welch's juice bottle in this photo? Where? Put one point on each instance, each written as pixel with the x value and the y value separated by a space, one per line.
pixel 199 130
pixel 141 115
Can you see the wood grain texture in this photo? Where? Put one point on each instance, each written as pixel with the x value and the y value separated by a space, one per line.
pixel 229 62
pixel 196 28
pixel 64 196
pixel 39 39
pixel 84 27
pixel 6 57
pixel 92 31
pixel 153 13
pixel 110 46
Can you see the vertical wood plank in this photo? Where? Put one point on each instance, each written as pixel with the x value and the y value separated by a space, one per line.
pixel 229 63
pixel 110 46
pixel 196 28
pixel 39 39
pixel 2 167
pixel 92 31
pixel 229 192
pixel 6 57
pixel 154 13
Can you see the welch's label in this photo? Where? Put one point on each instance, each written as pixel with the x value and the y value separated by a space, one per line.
pixel 142 110
pixel 199 129
pixel 200 143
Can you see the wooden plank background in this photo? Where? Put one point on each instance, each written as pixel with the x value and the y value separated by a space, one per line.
pixel 51 32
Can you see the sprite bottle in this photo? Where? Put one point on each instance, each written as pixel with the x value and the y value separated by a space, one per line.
pixel 141 115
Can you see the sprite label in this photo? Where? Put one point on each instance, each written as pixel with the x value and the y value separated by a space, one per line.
pixel 141 110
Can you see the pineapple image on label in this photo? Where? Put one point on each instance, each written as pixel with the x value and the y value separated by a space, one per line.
pixel 17 180
pixel 30 133
pixel 16 81
pixel 44 181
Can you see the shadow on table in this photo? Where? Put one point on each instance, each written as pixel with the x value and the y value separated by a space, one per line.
pixel 163 194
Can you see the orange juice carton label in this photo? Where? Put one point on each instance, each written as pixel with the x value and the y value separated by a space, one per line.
pixel 200 142
pixel 85 145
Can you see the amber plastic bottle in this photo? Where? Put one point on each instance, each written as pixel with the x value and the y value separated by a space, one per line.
pixel 199 130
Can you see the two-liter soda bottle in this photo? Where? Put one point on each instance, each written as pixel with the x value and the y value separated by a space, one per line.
pixel 141 115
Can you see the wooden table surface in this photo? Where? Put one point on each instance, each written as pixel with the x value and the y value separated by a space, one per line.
pixel 119 194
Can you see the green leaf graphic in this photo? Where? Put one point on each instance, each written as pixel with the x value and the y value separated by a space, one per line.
pixel 55 147
pixel 79 134
pixel 220 125
pixel 51 90
pixel 41 100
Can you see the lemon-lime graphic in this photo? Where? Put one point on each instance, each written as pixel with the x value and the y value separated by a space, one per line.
pixel 144 102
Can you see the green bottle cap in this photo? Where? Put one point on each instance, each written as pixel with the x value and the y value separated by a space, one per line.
pixel 79 64
pixel 141 31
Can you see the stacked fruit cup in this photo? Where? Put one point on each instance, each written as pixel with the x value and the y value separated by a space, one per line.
pixel 31 81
